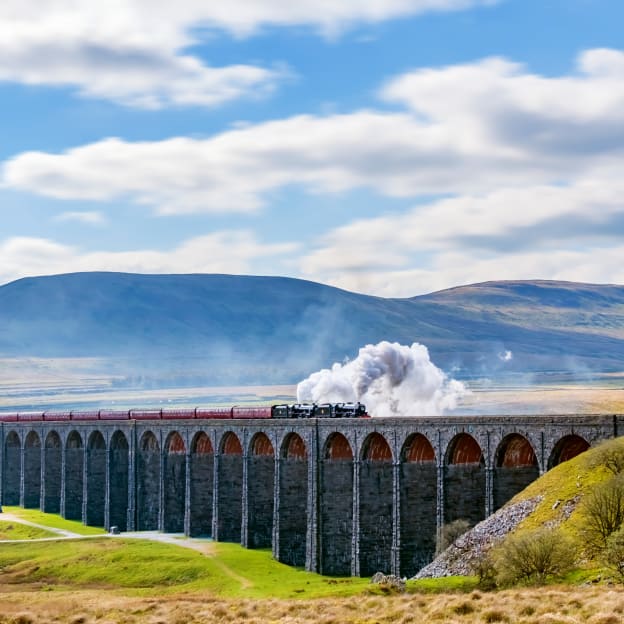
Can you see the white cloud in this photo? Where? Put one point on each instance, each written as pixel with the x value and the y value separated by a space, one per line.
pixel 86 217
pixel 132 51
pixel 468 129
pixel 530 167
pixel 218 252
pixel 445 269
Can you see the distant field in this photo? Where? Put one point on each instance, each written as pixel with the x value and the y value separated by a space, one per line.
pixel 72 384
pixel 604 396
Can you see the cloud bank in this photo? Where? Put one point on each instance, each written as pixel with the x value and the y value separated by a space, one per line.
pixel 518 175
pixel 218 252
pixel 133 52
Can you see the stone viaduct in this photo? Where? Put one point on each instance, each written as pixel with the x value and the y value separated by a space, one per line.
pixel 336 496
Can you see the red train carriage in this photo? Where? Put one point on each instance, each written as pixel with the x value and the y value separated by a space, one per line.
pixel 300 410
pixel 213 412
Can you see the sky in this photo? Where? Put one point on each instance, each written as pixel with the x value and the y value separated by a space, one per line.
pixel 388 147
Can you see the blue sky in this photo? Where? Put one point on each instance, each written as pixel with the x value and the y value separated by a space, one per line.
pixel 389 147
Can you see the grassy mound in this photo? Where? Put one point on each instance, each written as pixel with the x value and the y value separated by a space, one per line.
pixel 15 531
pixel 53 521
pixel 149 567
pixel 562 489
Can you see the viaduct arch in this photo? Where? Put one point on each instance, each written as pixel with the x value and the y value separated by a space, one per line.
pixel 337 496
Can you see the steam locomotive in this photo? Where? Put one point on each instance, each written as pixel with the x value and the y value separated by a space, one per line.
pixel 298 410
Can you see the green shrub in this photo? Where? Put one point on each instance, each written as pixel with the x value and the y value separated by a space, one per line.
pixel 602 509
pixel 532 557
pixel 613 553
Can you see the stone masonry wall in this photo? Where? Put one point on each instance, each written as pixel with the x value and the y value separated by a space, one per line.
pixel 260 501
pixel 230 506
pixel 148 489
pixel 52 482
pixel 202 476
pixel 96 486
pixel 119 488
pixel 418 516
pixel 32 476
pixel 336 516
pixel 509 481
pixel 464 493
pixel 11 472
pixel 375 517
pixel 293 520
pixel 174 492
pixel 74 458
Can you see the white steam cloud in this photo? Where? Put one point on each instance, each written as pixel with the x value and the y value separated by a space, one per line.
pixel 390 379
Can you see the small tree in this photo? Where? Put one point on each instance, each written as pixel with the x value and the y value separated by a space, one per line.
pixel 532 557
pixel 482 566
pixel 610 454
pixel 450 532
pixel 603 511
pixel 613 554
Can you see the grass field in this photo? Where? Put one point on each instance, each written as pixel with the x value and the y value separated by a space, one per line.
pixel 108 580
pixel 152 568
pixel 552 605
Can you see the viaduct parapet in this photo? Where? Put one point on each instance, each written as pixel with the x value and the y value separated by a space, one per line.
pixel 336 496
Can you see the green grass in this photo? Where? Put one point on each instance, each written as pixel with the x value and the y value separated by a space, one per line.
pixel 156 568
pixel 273 579
pixel 15 531
pixel 54 521
pixel 561 488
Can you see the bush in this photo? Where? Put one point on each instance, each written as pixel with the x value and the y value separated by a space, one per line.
pixel 533 557
pixel 450 532
pixel 482 566
pixel 613 554
pixel 603 511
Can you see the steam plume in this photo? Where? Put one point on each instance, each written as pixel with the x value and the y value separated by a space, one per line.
pixel 390 379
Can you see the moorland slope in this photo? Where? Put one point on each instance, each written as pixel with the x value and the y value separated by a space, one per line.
pixel 246 329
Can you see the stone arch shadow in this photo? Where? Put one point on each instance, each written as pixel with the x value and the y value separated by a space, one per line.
pixel 464 480
pixel 148 482
pixel 418 503
pixel 336 506
pixel 174 483
pixel 230 489
pixel 202 485
pixel 119 465
pixel 293 507
pixel 376 512
pixel 567 447
pixel 12 469
pixel 260 491
pixel 515 467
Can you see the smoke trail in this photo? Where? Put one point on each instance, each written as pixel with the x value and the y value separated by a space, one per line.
pixel 390 379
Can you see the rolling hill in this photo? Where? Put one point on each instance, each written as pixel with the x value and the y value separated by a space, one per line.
pixel 245 329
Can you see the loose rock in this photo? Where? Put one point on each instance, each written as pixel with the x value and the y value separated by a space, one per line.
pixel 460 557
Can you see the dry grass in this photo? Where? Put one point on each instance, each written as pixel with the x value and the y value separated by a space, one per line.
pixel 554 605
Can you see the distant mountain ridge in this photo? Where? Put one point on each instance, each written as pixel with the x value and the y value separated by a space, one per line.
pixel 233 329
